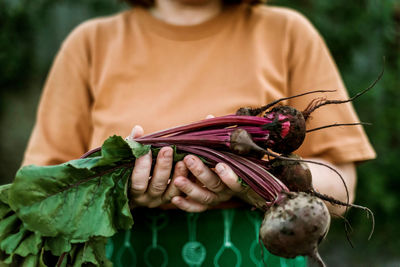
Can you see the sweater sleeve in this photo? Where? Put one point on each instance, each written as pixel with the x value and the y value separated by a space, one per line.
pixel 311 67
pixel 63 125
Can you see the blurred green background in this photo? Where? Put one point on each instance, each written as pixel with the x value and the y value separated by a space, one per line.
pixel 359 34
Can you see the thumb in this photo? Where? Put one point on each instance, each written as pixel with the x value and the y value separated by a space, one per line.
pixel 137 131
pixel 229 178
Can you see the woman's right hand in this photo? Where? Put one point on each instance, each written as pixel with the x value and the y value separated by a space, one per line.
pixel 157 190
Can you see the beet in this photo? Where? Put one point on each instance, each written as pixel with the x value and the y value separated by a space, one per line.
pixel 241 143
pixel 285 140
pixel 296 175
pixel 295 225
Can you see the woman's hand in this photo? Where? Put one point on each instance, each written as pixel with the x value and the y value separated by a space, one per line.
pixel 214 187
pixel 157 190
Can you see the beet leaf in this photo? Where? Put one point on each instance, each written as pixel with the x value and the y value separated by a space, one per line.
pixel 68 210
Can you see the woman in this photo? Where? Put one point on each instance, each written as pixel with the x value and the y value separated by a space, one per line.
pixel 170 62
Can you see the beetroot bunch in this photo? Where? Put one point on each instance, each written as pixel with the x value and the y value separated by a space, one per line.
pixel 257 144
pixel 294 223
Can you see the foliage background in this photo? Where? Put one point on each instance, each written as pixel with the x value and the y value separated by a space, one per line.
pixel 359 34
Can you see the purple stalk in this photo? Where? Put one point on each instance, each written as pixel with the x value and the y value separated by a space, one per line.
pixel 217 122
pixel 253 130
pixel 261 170
pixel 208 138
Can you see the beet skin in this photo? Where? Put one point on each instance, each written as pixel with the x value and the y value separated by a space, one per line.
pixel 295 226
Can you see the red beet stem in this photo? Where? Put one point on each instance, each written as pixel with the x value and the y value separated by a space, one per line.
pixel 217 122
pixel 209 138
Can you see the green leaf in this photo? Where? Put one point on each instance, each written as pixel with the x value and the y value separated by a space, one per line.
pixel 138 149
pixel 28 261
pixel 11 242
pixel 113 151
pixel 23 243
pixel 68 208
pixel 92 252
pixel 71 207
pixel 4 193
pixel 4 210
pixel 9 225
pixel 176 156
pixel 31 260
pixel 78 199
pixel 122 213
pixel 57 245
pixel 4 207
pixel 30 245
pixel 15 239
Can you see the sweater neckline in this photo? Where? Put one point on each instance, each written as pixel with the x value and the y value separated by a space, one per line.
pixel 192 32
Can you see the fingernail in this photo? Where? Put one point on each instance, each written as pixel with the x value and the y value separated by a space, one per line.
pixel 220 168
pixel 189 161
pixel 133 131
pixel 168 153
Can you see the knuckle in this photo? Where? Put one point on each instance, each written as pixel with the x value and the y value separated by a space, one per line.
pixel 218 186
pixel 198 170
pixel 188 189
pixel 195 165
pixel 138 188
pixel 164 162
pixel 141 169
pixel 208 199
pixel 157 188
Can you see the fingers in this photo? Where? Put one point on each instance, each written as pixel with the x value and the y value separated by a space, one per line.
pixel 161 173
pixel 154 191
pixel 207 177
pixel 188 204
pixel 140 175
pixel 196 192
pixel 210 191
pixel 172 191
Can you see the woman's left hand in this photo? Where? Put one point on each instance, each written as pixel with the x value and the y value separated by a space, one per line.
pixel 210 188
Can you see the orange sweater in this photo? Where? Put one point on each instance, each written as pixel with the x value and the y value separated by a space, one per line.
pixel 112 73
